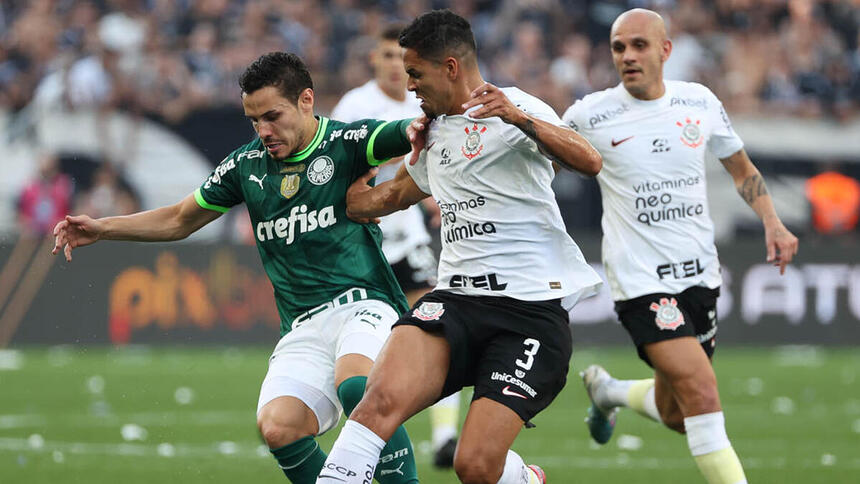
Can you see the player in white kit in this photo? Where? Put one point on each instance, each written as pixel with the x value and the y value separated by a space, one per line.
pixel 495 319
pixel 405 240
pixel 658 244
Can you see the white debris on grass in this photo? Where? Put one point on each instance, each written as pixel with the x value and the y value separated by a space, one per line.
pixel 58 457
pixel 629 442
pixel 828 460
pixel 856 426
pixel 11 360
pixel 183 395
pixel 60 355
pixel 227 447
pixel 848 375
pixel 754 386
pixel 263 451
pixel 36 442
pixel 165 449
pixel 798 355
pixel 132 432
pixel 782 406
pixel 425 447
pixel 231 357
pixel 96 384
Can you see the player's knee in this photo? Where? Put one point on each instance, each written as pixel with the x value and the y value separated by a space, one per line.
pixel 473 467
pixel 278 434
pixel 377 407
pixel 697 395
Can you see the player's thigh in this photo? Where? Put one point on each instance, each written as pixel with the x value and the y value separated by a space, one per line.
pixel 658 317
pixel 366 326
pixel 524 364
pixel 476 453
pixel 302 367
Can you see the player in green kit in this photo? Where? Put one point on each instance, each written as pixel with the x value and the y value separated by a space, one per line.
pixel 335 291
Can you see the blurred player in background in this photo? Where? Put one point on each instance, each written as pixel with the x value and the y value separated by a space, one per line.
pixel 405 240
pixel 495 320
pixel 336 295
pixel 658 245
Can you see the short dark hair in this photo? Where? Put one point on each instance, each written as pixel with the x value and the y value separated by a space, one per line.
pixel 285 71
pixel 391 32
pixel 438 34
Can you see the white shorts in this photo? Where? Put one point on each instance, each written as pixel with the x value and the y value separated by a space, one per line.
pixel 302 364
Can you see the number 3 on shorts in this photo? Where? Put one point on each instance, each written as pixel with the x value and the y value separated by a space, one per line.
pixel 532 347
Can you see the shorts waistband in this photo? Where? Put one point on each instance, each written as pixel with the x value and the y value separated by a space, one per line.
pixel 350 296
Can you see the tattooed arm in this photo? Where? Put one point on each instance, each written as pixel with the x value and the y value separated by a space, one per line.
pixel 781 244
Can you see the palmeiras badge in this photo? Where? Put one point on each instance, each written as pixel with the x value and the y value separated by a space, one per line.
pixel 473 146
pixel 691 133
pixel 429 311
pixel 668 314
pixel 290 185
pixel 320 170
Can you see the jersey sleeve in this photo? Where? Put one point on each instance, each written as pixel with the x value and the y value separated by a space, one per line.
pixel 536 108
pixel 723 142
pixel 378 141
pixel 418 172
pixel 221 190
pixel 571 117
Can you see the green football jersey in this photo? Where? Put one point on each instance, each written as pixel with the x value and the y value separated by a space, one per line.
pixel 310 250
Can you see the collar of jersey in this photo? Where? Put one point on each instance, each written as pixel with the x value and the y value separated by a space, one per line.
pixel 301 155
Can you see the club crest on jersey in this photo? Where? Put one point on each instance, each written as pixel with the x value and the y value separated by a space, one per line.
pixel 320 170
pixel 668 315
pixel 429 311
pixel 473 147
pixel 290 185
pixel 691 133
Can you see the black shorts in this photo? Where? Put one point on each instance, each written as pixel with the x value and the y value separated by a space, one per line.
pixel 660 316
pixel 514 352
pixel 417 270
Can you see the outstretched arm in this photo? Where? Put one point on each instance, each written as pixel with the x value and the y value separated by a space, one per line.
pixel 365 202
pixel 173 222
pixel 559 143
pixel 781 244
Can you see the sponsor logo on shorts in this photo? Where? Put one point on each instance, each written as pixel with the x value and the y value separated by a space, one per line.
pixel 668 315
pixel 504 377
pixel 507 391
pixel 429 311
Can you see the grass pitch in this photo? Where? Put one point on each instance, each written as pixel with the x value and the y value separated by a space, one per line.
pixel 142 415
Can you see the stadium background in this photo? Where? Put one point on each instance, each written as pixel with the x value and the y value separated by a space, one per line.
pixel 142 362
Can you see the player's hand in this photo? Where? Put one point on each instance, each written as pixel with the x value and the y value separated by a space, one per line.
pixel 493 103
pixel 417 133
pixel 359 186
pixel 781 245
pixel 75 231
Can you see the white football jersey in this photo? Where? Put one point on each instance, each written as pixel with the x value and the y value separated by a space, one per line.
pixel 404 230
pixel 502 232
pixel 657 231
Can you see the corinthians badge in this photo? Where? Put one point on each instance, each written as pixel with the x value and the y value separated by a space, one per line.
pixel 429 311
pixel 473 146
pixel 668 315
pixel 691 133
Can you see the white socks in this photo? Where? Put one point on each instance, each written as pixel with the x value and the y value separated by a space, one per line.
pixel 710 446
pixel 444 417
pixel 353 457
pixel 635 394
pixel 516 471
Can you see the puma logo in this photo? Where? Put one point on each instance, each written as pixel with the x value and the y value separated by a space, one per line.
pixel 256 180
pixel 385 472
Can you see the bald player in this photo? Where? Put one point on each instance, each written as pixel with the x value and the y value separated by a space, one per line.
pixel 658 245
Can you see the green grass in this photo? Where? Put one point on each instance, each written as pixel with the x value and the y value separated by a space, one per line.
pixel 793 415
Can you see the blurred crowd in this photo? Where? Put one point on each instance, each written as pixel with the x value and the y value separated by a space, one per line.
pixel 171 59
pixel 166 58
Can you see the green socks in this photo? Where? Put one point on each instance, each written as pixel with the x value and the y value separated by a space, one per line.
pixel 397 461
pixel 301 460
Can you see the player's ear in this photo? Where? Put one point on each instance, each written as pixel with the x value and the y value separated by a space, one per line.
pixel 306 100
pixel 452 67
pixel 667 50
